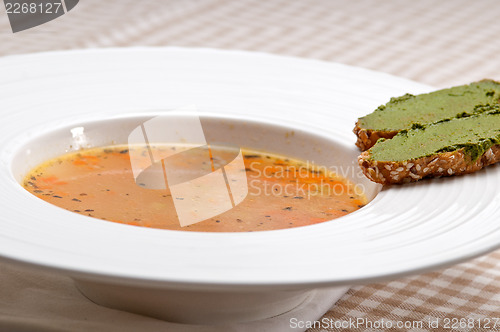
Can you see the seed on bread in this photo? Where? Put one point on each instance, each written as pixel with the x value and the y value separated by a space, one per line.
pixel 460 164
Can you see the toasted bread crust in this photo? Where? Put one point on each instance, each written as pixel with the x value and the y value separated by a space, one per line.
pixel 441 164
pixel 368 137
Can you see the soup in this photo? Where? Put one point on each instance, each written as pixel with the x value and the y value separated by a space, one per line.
pixel 282 192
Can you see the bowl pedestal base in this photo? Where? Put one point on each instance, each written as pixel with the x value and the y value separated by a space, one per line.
pixel 213 307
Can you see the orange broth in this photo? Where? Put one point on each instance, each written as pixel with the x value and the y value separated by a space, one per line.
pixel 282 192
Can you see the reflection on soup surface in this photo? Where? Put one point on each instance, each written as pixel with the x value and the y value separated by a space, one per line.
pixel 282 192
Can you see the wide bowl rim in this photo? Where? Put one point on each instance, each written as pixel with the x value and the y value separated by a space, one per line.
pixel 289 277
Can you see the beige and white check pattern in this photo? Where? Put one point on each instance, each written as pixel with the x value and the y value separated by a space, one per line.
pixel 441 43
pixel 463 292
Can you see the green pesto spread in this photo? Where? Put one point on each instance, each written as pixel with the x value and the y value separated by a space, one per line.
pixel 475 133
pixel 403 112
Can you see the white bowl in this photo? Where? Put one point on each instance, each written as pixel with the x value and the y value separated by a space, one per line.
pixel 177 301
pixel 195 276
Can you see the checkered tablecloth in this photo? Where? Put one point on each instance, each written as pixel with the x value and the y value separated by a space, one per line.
pixel 440 43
